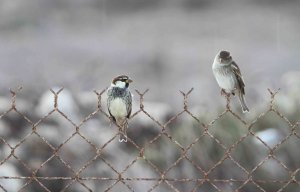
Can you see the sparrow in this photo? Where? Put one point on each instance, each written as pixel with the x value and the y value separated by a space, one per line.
pixel 119 103
pixel 229 77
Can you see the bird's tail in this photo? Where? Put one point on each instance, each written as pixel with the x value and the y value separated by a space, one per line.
pixel 243 103
pixel 123 130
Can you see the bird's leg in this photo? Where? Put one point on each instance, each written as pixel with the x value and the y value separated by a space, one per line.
pixel 223 92
pixel 111 119
pixel 122 132
pixel 227 97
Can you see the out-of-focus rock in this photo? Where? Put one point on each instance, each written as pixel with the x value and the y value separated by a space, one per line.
pixel 65 102
pixel 270 136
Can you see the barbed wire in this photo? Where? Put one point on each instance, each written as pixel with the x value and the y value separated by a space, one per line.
pixel 163 176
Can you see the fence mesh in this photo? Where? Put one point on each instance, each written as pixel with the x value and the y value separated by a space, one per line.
pixel 226 153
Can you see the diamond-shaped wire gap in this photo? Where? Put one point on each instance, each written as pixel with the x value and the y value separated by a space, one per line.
pixel 253 147
pixel 270 132
pixel 228 129
pixel 228 170
pixel 270 170
pixel 97 132
pixel 99 174
pixel 270 129
pixel 120 155
pixel 185 168
pixel 55 129
pixel 184 164
pixel 76 152
pixel 99 169
pixel 116 159
pixel 142 129
pixel 184 174
pixel 143 176
pixel 172 166
pixel 99 154
pixel 285 152
pixel 33 151
pixel 162 152
pixel 19 126
pixel 248 154
pixel 206 152
pixel 55 170
pixel 93 124
pixel 184 129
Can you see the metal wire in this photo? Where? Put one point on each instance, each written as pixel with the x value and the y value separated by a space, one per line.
pixel 163 175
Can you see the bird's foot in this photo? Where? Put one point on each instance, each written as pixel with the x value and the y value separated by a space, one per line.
pixel 224 93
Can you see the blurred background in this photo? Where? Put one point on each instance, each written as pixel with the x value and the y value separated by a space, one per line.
pixel 163 45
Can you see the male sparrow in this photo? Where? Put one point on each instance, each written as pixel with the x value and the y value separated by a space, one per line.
pixel 228 76
pixel 119 103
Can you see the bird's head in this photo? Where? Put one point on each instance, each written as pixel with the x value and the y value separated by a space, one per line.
pixel 121 81
pixel 224 57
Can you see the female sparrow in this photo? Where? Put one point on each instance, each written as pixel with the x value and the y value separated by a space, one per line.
pixel 119 103
pixel 228 76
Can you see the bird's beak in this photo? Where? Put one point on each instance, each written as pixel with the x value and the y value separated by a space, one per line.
pixel 129 81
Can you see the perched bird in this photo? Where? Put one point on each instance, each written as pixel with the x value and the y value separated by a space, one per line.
pixel 119 103
pixel 229 78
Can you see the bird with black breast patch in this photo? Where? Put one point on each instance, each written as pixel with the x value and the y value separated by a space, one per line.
pixel 119 104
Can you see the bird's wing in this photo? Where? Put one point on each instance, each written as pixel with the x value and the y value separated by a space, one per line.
pixel 109 98
pixel 237 72
pixel 129 106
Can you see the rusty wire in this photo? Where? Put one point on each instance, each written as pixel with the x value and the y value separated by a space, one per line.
pixel 162 174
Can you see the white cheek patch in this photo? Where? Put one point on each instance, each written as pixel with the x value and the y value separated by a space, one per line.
pixel 120 84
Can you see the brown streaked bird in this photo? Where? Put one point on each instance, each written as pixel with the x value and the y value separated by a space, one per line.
pixel 229 77
pixel 119 103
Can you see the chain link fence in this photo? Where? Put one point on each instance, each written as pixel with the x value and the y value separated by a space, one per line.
pixel 185 152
